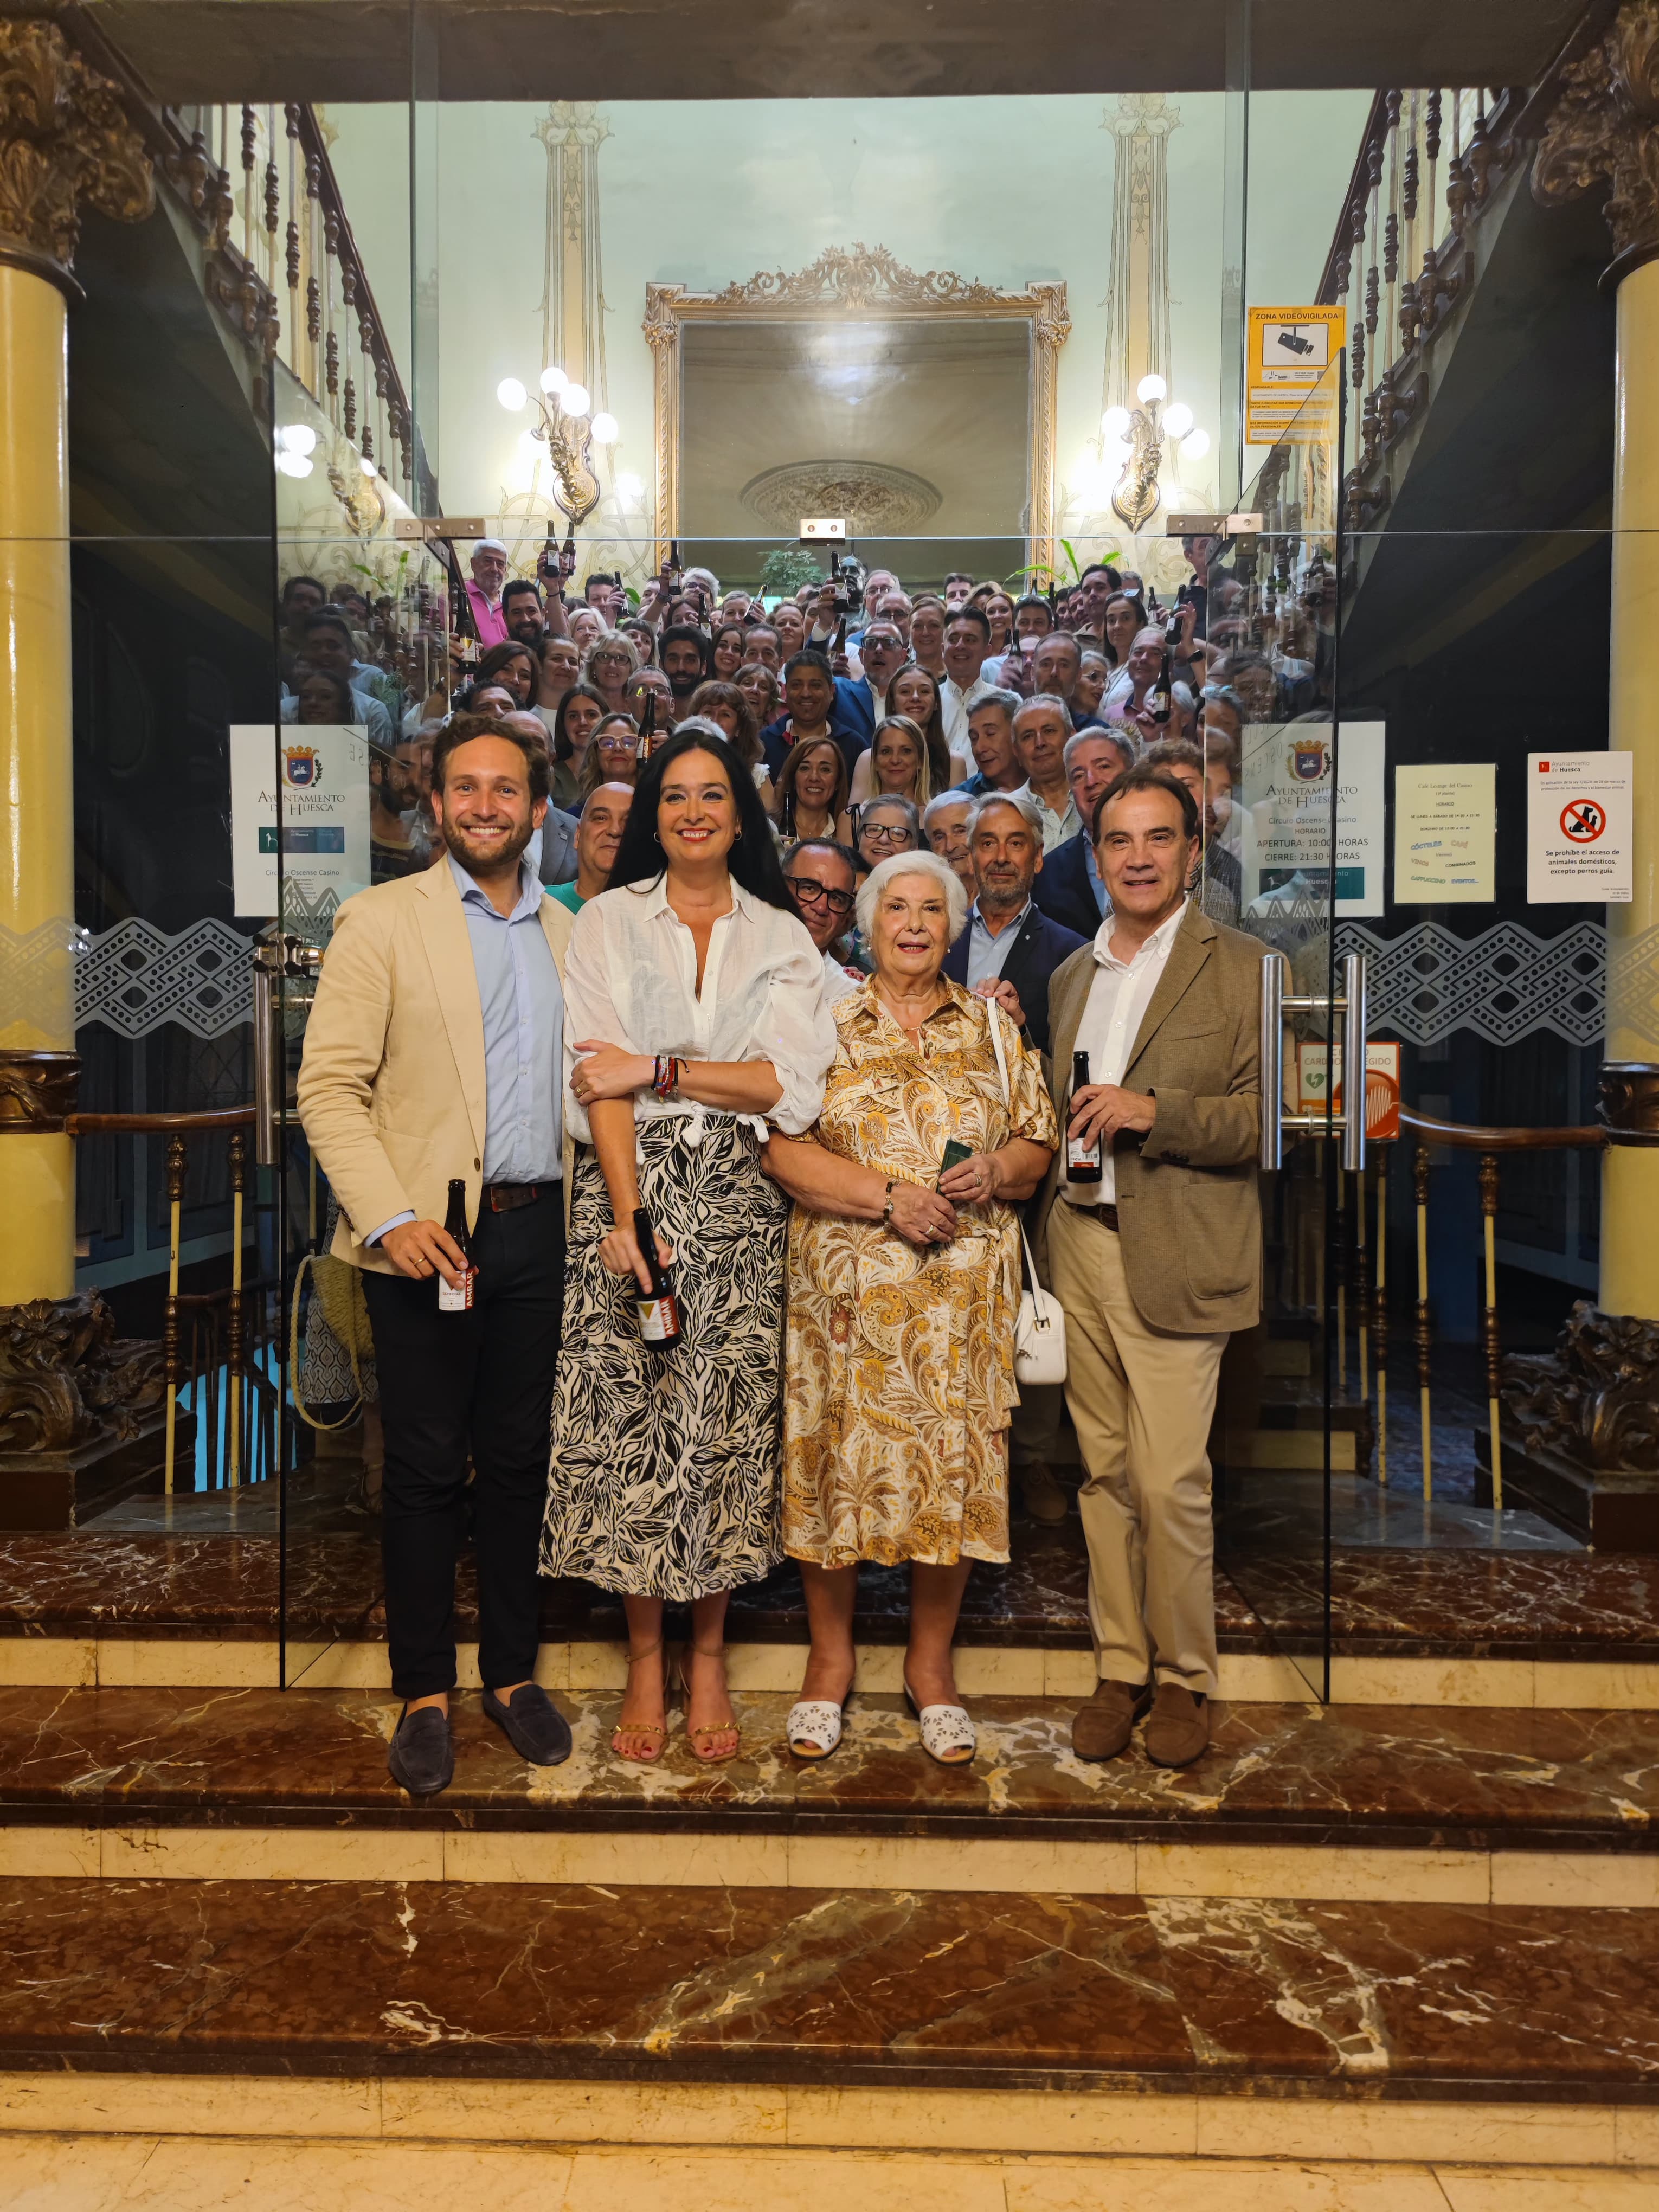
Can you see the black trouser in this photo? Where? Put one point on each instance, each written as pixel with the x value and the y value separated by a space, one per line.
pixel 482 1382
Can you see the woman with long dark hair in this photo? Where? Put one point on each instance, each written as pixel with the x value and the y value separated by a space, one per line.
pixel 579 714
pixel 726 655
pixel 694 1019
pixel 515 668
pixel 812 790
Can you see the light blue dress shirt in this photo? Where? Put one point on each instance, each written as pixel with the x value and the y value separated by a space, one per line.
pixel 1095 883
pixel 988 955
pixel 523 1009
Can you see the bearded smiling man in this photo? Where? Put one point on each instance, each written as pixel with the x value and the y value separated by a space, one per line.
pixel 435 1054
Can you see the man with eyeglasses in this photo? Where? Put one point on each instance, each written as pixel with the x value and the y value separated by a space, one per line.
pixel 821 877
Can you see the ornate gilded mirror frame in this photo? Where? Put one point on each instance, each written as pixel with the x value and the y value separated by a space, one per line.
pixel 842 286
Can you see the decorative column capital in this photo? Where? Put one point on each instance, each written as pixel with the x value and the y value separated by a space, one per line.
pixel 1604 127
pixel 67 141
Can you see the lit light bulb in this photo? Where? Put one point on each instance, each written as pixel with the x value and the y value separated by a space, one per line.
pixel 1195 447
pixel 553 380
pixel 574 400
pixel 297 438
pixel 1150 388
pixel 605 428
pixel 293 465
pixel 366 465
pixel 1115 424
pixel 1178 419
pixel 511 393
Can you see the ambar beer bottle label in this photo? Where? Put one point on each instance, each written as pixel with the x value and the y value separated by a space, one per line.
pixel 660 1317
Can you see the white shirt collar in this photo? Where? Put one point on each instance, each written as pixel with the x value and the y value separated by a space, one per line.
pixel 1156 947
pixel 653 897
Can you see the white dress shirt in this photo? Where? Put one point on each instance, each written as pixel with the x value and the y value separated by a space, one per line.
pixel 955 706
pixel 1117 1006
pixel 630 980
pixel 1057 828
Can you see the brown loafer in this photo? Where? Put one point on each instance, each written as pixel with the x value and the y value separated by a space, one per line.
pixel 1102 1727
pixel 1178 1730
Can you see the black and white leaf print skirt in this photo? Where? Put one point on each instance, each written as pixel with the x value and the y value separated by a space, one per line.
pixel 663 1480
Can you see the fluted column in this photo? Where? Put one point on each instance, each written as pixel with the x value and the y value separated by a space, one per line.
pixel 1604 133
pixel 65 141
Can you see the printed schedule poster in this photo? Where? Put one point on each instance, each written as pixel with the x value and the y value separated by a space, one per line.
pixel 1581 823
pixel 320 812
pixel 1445 830
pixel 1286 772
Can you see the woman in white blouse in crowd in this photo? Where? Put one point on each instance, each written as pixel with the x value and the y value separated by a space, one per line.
pixel 694 1018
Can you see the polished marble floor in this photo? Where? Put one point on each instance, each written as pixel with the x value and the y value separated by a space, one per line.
pixel 1438 1779
pixel 161 2173
pixel 1472 1601
pixel 1229 1996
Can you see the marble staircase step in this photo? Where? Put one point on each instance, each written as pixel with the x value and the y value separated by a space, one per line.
pixel 942 1990
pixel 1400 1805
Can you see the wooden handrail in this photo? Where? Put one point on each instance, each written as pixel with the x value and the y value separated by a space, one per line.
pixel 1469 1136
pixel 142 1125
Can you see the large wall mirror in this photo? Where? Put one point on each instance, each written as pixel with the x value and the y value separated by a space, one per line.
pixel 914 404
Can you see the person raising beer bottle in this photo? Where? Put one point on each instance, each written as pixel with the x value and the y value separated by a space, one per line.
pixel 695 1017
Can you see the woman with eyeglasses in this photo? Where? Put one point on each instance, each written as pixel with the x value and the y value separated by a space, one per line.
pixel 613 757
pixel 903 1293
pixel 882 827
pixel 811 794
pixel 760 687
pixel 610 661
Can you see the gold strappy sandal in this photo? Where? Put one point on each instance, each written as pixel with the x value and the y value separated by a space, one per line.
pixel 650 1735
pixel 700 1737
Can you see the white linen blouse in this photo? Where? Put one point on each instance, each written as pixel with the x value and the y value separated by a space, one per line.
pixel 630 980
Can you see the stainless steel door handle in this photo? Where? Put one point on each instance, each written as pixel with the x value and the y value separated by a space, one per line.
pixel 1351 1004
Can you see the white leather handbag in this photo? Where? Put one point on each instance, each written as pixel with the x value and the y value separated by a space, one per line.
pixel 1040 1331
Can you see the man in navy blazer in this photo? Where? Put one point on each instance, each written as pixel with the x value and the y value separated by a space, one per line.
pixel 1069 890
pixel 1009 939
pixel 859 699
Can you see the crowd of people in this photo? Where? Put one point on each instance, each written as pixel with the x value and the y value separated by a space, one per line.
pixel 750 953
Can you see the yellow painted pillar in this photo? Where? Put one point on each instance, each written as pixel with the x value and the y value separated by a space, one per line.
pixel 69 136
pixel 1630 1175
pixel 37 818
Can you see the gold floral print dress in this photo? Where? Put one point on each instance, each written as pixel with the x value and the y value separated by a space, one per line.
pixel 900 1363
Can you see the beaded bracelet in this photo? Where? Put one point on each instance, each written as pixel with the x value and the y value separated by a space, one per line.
pixel 665 1081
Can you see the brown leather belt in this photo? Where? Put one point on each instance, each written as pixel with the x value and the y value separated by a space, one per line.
pixel 507 1197
pixel 1106 1215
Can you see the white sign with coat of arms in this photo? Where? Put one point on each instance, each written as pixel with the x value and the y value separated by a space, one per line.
pixel 299 794
pixel 1307 835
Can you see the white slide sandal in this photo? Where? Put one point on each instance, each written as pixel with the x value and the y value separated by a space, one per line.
pixel 947 1733
pixel 814 1727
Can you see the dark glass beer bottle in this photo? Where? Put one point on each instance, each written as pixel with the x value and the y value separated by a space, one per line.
pixel 1083 1162
pixel 1158 698
pixel 458 1299
pixel 658 1309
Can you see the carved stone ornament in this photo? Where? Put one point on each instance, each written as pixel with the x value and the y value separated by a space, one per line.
pixel 1628 1106
pixel 66 141
pixel 1605 127
pixel 876 500
pixel 1595 1398
pixel 37 1090
pixel 67 1380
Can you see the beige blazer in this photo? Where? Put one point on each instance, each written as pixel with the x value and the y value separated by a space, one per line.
pixel 391 1083
pixel 1187 1202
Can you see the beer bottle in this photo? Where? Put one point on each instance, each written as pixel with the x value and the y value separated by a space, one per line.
pixel 658 1309
pixel 1083 1157
pixel 460 1298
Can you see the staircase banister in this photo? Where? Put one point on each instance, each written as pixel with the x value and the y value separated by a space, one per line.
pixel 1469 1136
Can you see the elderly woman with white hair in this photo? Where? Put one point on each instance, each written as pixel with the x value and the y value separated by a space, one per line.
pixel 904 1286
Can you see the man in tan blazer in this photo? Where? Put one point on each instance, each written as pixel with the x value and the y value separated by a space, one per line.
pixel 1156 1261
pixel 435 1054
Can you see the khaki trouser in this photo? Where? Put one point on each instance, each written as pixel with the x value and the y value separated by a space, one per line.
pixel 1142 1400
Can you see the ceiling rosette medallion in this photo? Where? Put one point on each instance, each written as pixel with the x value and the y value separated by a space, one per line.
pixel 876 500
